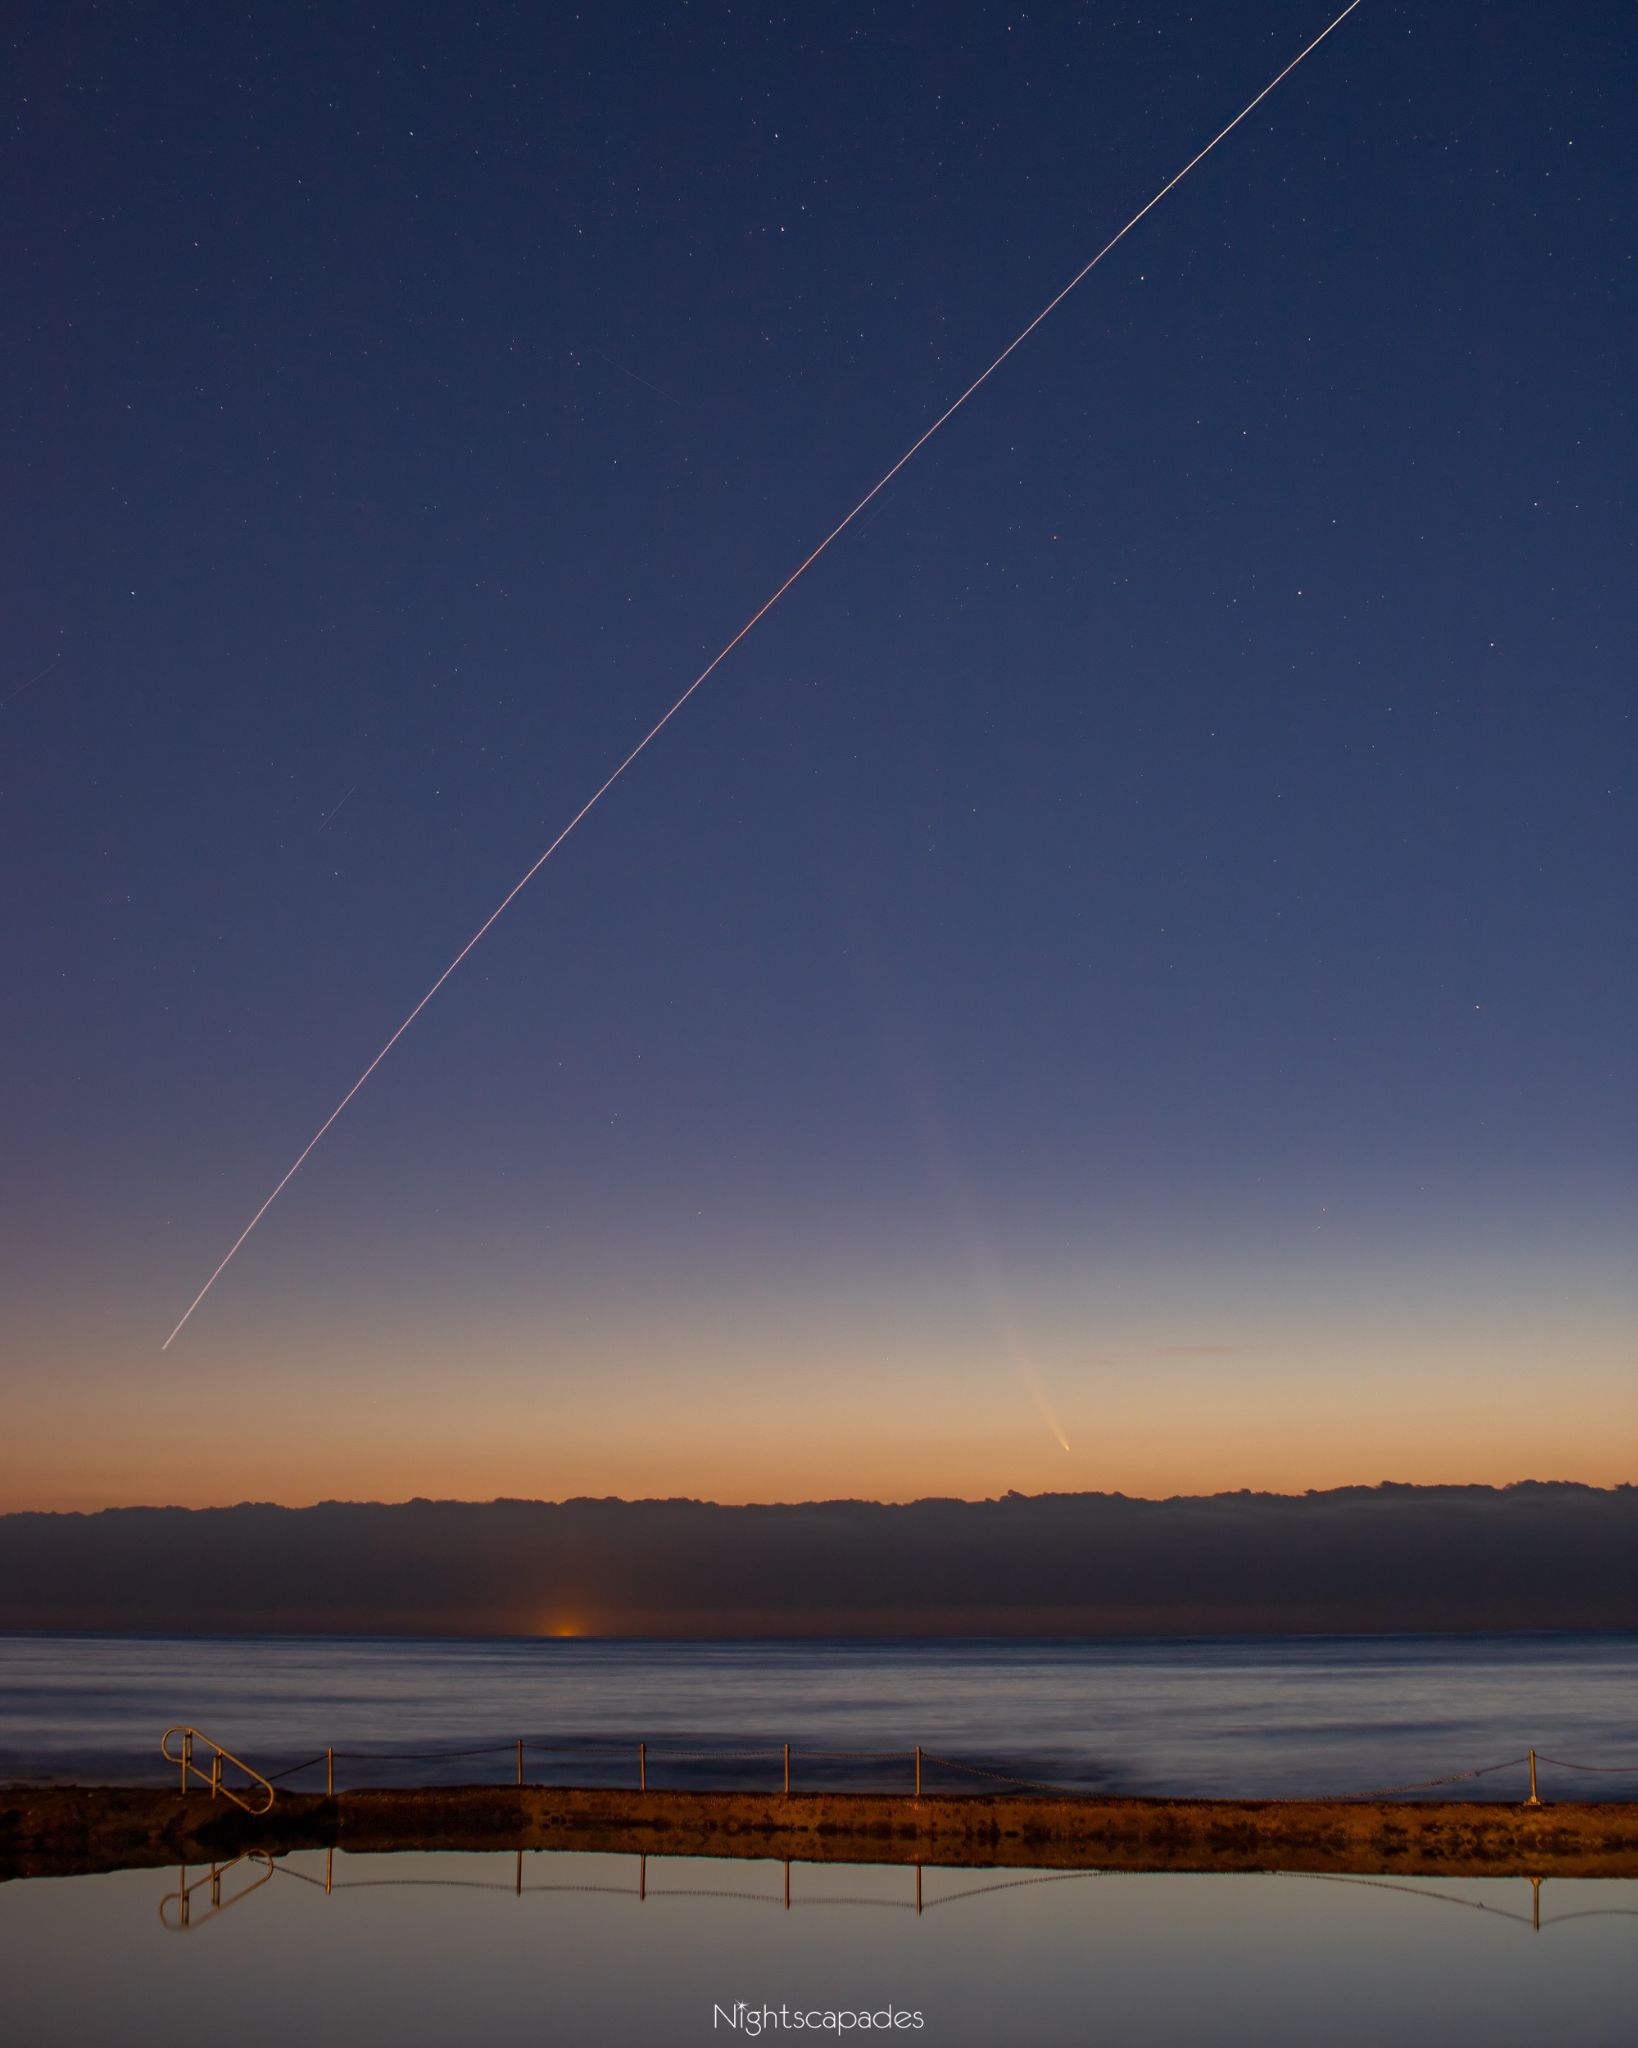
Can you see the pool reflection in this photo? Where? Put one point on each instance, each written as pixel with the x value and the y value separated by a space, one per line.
pixel 519 1946
pixel 179 1914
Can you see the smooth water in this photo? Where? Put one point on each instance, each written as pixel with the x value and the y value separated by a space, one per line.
pixel 433 1949
pixel 1233 1716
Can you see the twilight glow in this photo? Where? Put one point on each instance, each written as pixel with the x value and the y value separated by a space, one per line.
pixel 1121 983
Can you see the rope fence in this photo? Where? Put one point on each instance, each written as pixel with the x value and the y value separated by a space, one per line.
pixel 921 1768
pixel 1601 1770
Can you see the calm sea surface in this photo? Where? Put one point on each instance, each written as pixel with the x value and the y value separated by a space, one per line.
pixel 433 1949
pixel 1314 1715
pixel 425 1949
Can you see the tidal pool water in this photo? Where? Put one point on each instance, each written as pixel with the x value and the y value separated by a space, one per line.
pixel 473 1949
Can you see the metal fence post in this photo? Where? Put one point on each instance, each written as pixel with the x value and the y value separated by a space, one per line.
pixel 330 1773
pixel 1532 1800
pixel 787 1770
pixel 520 1760
pixel 642 1766
pixel 918 1770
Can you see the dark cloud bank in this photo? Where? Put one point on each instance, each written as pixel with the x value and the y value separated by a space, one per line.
pixel 1361 1558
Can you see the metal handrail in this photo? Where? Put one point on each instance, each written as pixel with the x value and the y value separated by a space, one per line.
pixel 213 1777
pixel 182 1897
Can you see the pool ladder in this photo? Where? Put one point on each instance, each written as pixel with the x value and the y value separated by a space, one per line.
pixel 249 1796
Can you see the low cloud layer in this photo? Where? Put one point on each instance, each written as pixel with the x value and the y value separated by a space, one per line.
pixel 1532 1556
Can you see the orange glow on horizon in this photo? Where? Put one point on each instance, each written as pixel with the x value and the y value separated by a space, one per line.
pixel 890 1401
pixel 972 1470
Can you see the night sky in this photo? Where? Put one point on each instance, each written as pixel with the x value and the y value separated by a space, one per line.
pixel 1136 948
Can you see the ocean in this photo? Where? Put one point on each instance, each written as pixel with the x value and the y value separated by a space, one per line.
pixel 1231 1717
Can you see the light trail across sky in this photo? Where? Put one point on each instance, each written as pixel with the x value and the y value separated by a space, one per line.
pixel 755 619
pixel 32 680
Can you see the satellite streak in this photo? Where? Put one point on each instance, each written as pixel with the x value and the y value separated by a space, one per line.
pixel 755 619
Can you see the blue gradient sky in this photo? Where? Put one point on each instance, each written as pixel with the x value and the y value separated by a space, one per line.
pixel 1137 947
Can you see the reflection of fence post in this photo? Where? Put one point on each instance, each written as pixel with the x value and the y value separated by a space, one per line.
pixel 1535 1903
pixel 330 1773
pixel 642 1766
pixel 1532 1800
pixel 787 1884
pixel 642 1876
pixel 918 1887
pixel 918 1771
pixel 787 1770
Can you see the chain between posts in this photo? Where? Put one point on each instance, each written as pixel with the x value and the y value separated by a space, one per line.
pixel 788 1756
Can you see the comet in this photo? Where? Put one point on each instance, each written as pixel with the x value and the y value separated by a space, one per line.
pixel 749 626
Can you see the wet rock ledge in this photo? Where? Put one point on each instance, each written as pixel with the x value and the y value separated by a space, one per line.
pixel 63 1830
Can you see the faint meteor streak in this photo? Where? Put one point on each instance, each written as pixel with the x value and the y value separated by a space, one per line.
pixel 12 695
pixel 754 620
pixel 331 814
pixel 632 374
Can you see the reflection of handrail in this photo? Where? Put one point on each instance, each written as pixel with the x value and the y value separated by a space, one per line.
pixel 182 1897
pixel 213 1777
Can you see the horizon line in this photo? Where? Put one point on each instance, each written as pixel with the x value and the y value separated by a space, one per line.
pixel 1355 1488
